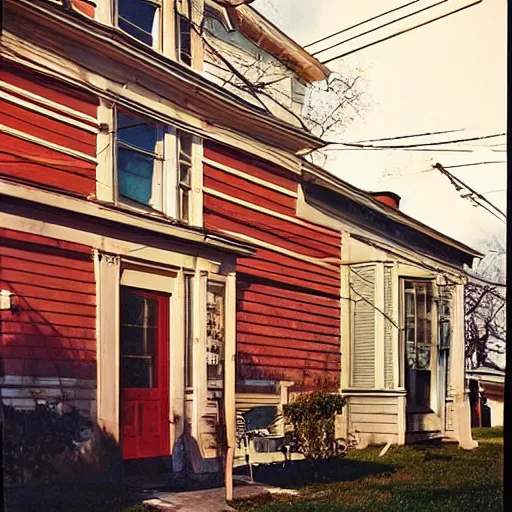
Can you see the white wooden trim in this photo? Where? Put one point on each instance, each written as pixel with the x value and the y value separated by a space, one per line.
pixel 196 183
pixel 401 419
pixel 229 379
pixel 108 339
pixel 395 283
pixel 249 177
pixel 287 252
pixel 47 113
pixel 379 325
pixel 147 281
pixel 177 360
pixel 261 209
pixel 105 154
pixel 346 324
pixel 98 211
pixel 41 142
pixel 45 102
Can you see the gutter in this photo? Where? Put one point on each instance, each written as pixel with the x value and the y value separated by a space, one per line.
pixel 267 36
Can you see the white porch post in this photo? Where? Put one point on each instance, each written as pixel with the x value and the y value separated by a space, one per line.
pixel 229 381
pixel 461 410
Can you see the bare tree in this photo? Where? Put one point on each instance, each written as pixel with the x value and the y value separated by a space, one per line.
pixel 485 305
pixel 324 108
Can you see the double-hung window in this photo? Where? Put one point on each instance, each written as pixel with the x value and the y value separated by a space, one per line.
pixel 184 31
pixel 139 161
pixel 144 20
pixel 153 166
pixel 418 342
pixel 141 19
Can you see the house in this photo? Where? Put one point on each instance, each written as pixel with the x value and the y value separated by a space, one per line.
pixel 149 229
pixel 161 264
pixel 402 316
pixel 487 395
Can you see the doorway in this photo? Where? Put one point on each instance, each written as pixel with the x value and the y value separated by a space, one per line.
pixel 144 373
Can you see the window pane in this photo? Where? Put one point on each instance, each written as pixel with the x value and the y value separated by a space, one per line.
pixel 138 336
pixel 136 132
pixel 189 342
pixel 185 44
pixel 215 334
pixel 137 17
pixel 135 175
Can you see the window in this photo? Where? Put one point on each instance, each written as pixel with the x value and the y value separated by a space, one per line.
pixel 418 342
pixel 139 160
pixel 140 19
pixel 153 166
pixel 183 32
pixel 215 335
pixel 184 171
pixel 139 331
pixel 189 341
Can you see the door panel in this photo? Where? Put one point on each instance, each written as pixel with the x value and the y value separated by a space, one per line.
pixel 144 374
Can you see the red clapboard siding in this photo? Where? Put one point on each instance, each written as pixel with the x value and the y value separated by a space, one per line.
pixel 265 233
pixel 52 333
pixel 37 163
pixel 50 89
pixel 281 358
pixel 288 309
pixel 325 244
pixel 301 298
pixel 31 162
pixel 296 323
pixel 236 186
pixel 12 236
pixel 250 165
pixel 47 128
pixel 85 8
pixel 268 305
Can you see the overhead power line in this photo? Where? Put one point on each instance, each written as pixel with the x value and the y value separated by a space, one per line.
pixel 459 185
pixel 475 163
pixel 380 26
pixel 417 145
pixel 397 137
pixel 401 32
pixel 359 24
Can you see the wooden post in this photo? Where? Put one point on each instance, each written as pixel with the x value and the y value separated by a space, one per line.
pixel 229 381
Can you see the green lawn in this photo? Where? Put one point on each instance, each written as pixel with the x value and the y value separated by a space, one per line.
pixel 413 478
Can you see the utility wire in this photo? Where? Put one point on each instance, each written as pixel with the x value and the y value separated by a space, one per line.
pixel 398 137
pixel 359 24
pixel 400 32
pixel 459 184
pixel 379 27
pixel 439 143
pixel 475 163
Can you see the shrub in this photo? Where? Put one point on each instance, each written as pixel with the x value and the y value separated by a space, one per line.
pixel 312 416
pixel 40 443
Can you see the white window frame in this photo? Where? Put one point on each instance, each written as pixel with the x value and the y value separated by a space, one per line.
pixel 158 24
pixel 166 184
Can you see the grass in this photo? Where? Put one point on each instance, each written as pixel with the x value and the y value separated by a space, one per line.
pixel 431 478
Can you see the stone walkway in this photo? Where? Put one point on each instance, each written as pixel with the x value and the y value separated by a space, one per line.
pixel 210 500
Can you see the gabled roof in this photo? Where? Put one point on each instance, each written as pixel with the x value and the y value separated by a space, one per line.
pixel 274 41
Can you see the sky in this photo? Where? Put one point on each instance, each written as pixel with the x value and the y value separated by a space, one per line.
pixel 448 75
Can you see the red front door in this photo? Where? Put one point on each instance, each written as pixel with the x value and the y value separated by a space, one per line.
pixel 144 374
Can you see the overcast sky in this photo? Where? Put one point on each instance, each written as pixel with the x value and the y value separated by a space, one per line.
pixel 450 74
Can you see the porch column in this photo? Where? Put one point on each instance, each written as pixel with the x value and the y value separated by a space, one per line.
pixel 229 381
pixel 461 409
pixel 107 269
